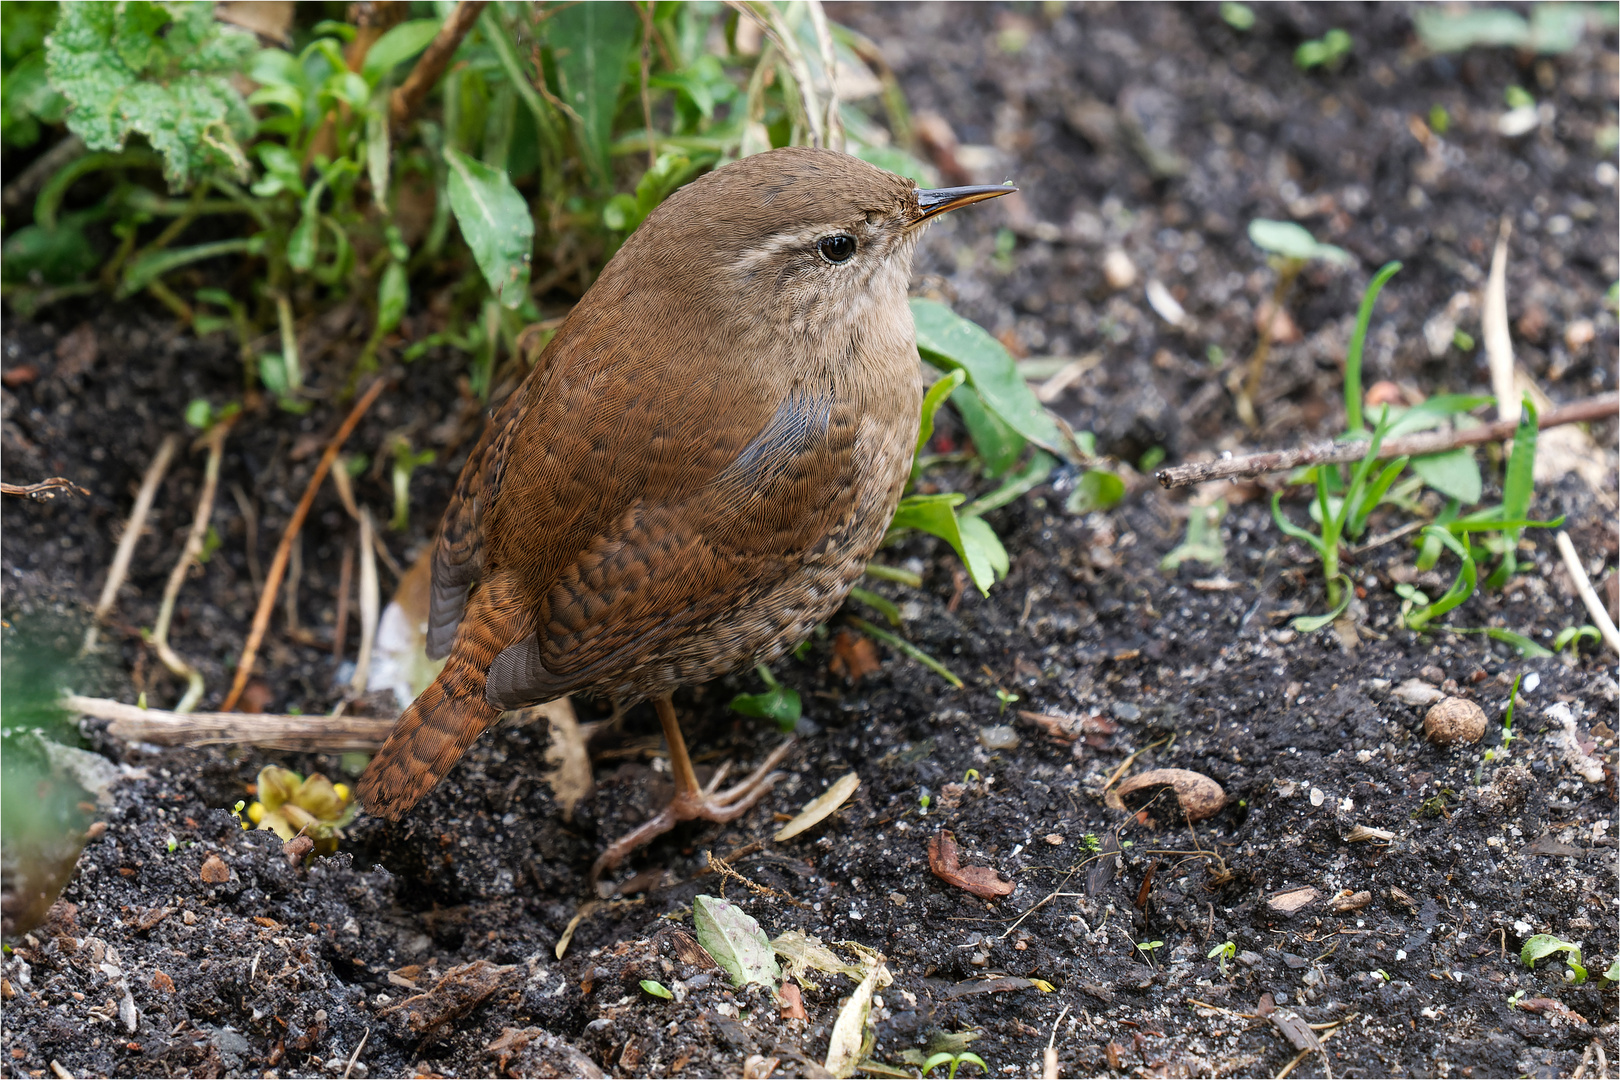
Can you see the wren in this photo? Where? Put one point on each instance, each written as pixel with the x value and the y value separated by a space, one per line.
pixel 693 475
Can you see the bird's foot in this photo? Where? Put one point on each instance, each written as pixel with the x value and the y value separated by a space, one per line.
pixel 707 803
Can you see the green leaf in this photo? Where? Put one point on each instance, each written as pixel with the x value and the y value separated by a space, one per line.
pixel 1541 946
pixel 199 413
pixel 736 942
pixel 397 46
pixel 1096 489
pixel 1293 241
pixel 161 70
pixel 1527 649
pixel 57 255
pixel 933 399
pixel 1032 475
pixel 1374 493
pixel 657 989
pixel 1352 356
pixel 1460 590
pixel 1453 473
pixel 984 550
pixel 494 221
pixel 591 45
pixel 1518 486
pixel 999 447
pixel 393 296
pixel 1434 411
pixel 148 268
pixel 779 703
pixel 1309 624
pixel 936 514
pixel 949 341
pixel 1288 528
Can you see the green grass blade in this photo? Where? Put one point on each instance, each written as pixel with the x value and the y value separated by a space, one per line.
pixel 1374 495
pixel 882 604
pixel 1309 624
pixel 1289 528
pixel 901 645
pixel 1352 356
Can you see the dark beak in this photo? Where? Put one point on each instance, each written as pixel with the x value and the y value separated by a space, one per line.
pixel 931 202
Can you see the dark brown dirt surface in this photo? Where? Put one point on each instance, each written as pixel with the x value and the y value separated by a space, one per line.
pixel 185 946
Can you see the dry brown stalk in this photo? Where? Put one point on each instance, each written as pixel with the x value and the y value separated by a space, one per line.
pixel 195 539
pixel 1600 407
pixel 45 489
pixel 132 534
pixel 405 101
pixel 323 734
pixel 278 565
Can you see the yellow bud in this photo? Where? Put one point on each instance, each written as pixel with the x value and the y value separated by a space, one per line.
pixel 342 791
pixel 255 813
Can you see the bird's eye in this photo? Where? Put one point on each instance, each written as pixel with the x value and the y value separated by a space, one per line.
pixel 837 248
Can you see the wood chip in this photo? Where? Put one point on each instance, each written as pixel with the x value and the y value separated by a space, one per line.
pixel 1349 901
pixel 945 862
pixel 214 871
pixel 1200 797
pixel 1295 1030
pixel 1288 902
pixel 1366 832
pixel 821 806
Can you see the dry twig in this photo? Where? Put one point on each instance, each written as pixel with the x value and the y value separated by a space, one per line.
pixel 370 607
pixel 1599 407
pixel 278 565
pixel 322 734
pixel 405 101
pixel 1589 596
pixel 195 540
pixel 132 535
pixel 45 489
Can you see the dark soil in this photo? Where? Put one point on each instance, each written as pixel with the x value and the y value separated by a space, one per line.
pixel 185 946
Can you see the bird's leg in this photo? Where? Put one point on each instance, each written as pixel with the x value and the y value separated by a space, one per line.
pixel 692 800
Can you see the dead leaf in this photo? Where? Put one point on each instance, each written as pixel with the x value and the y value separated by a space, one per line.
pixel 457 993
pixel 792 1003
pixel 844 1047
pixel 1200 797
pixel 1292 900
pixel 946 864
pixel 853 656
pixel 821 807
pixel 214 871
pixel 267 18
pixel 1002 985
pixel 1552 1007
pixel 1295 1029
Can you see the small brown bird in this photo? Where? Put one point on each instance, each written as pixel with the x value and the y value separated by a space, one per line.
pixel 694 474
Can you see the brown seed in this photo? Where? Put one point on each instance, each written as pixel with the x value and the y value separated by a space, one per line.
pixel 1454 720
pixel 1200 797
pixel 214 871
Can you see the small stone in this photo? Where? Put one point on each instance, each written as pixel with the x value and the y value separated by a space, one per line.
pixel 1118 270
pixel 1579 334
pixel 998 737
pixel 1454 720
pixel 1054 839
pixel 189 918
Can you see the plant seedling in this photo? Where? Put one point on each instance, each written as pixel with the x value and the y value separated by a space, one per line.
pixel 1147 948
pixel 1222 954
pixel 657 989
pixel 955 1061
pixel 778 702
pixel 406 461
pixel 1238 16
pixel 1203 543
pixel 1325 51
pixel 1006 699
pixel 1571 637
pixel 1540 946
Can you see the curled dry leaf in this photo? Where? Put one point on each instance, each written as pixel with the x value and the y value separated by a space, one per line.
pixel 1200 797
pixel 946 864
pixel 1367 832
pixel 853 656
pixel 792 1002
pixel 821 806
pixel 848 1033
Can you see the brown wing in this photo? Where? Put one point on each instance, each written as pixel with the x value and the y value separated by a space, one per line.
pixel 458 555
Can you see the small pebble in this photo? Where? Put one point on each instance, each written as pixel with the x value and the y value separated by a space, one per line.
pixel 998 737
pixel 1454 720
pixel 1118 270
pixel 1579 334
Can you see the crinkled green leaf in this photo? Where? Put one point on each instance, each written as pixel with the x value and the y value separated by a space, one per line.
pixel 779 703
pixel 57 256
pixel 734 939
pixel 591 45
pixel 161 70
pixel 494 221
pixel 949 341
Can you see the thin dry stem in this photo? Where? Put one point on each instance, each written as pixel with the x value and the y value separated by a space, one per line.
pixel 1588 410
pixel 45 489
pixel 1589 596
pixel 132 535
pixel 317 734
pixel 369 603
pixel 404 102
pixel 278 565
pixel 195 539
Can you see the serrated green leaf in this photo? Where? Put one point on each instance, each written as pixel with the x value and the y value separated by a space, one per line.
pixel 949 341
pixel 161 70
pixel 1453 473
pixel 494 221
pixel 591 45
pixel 736 942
